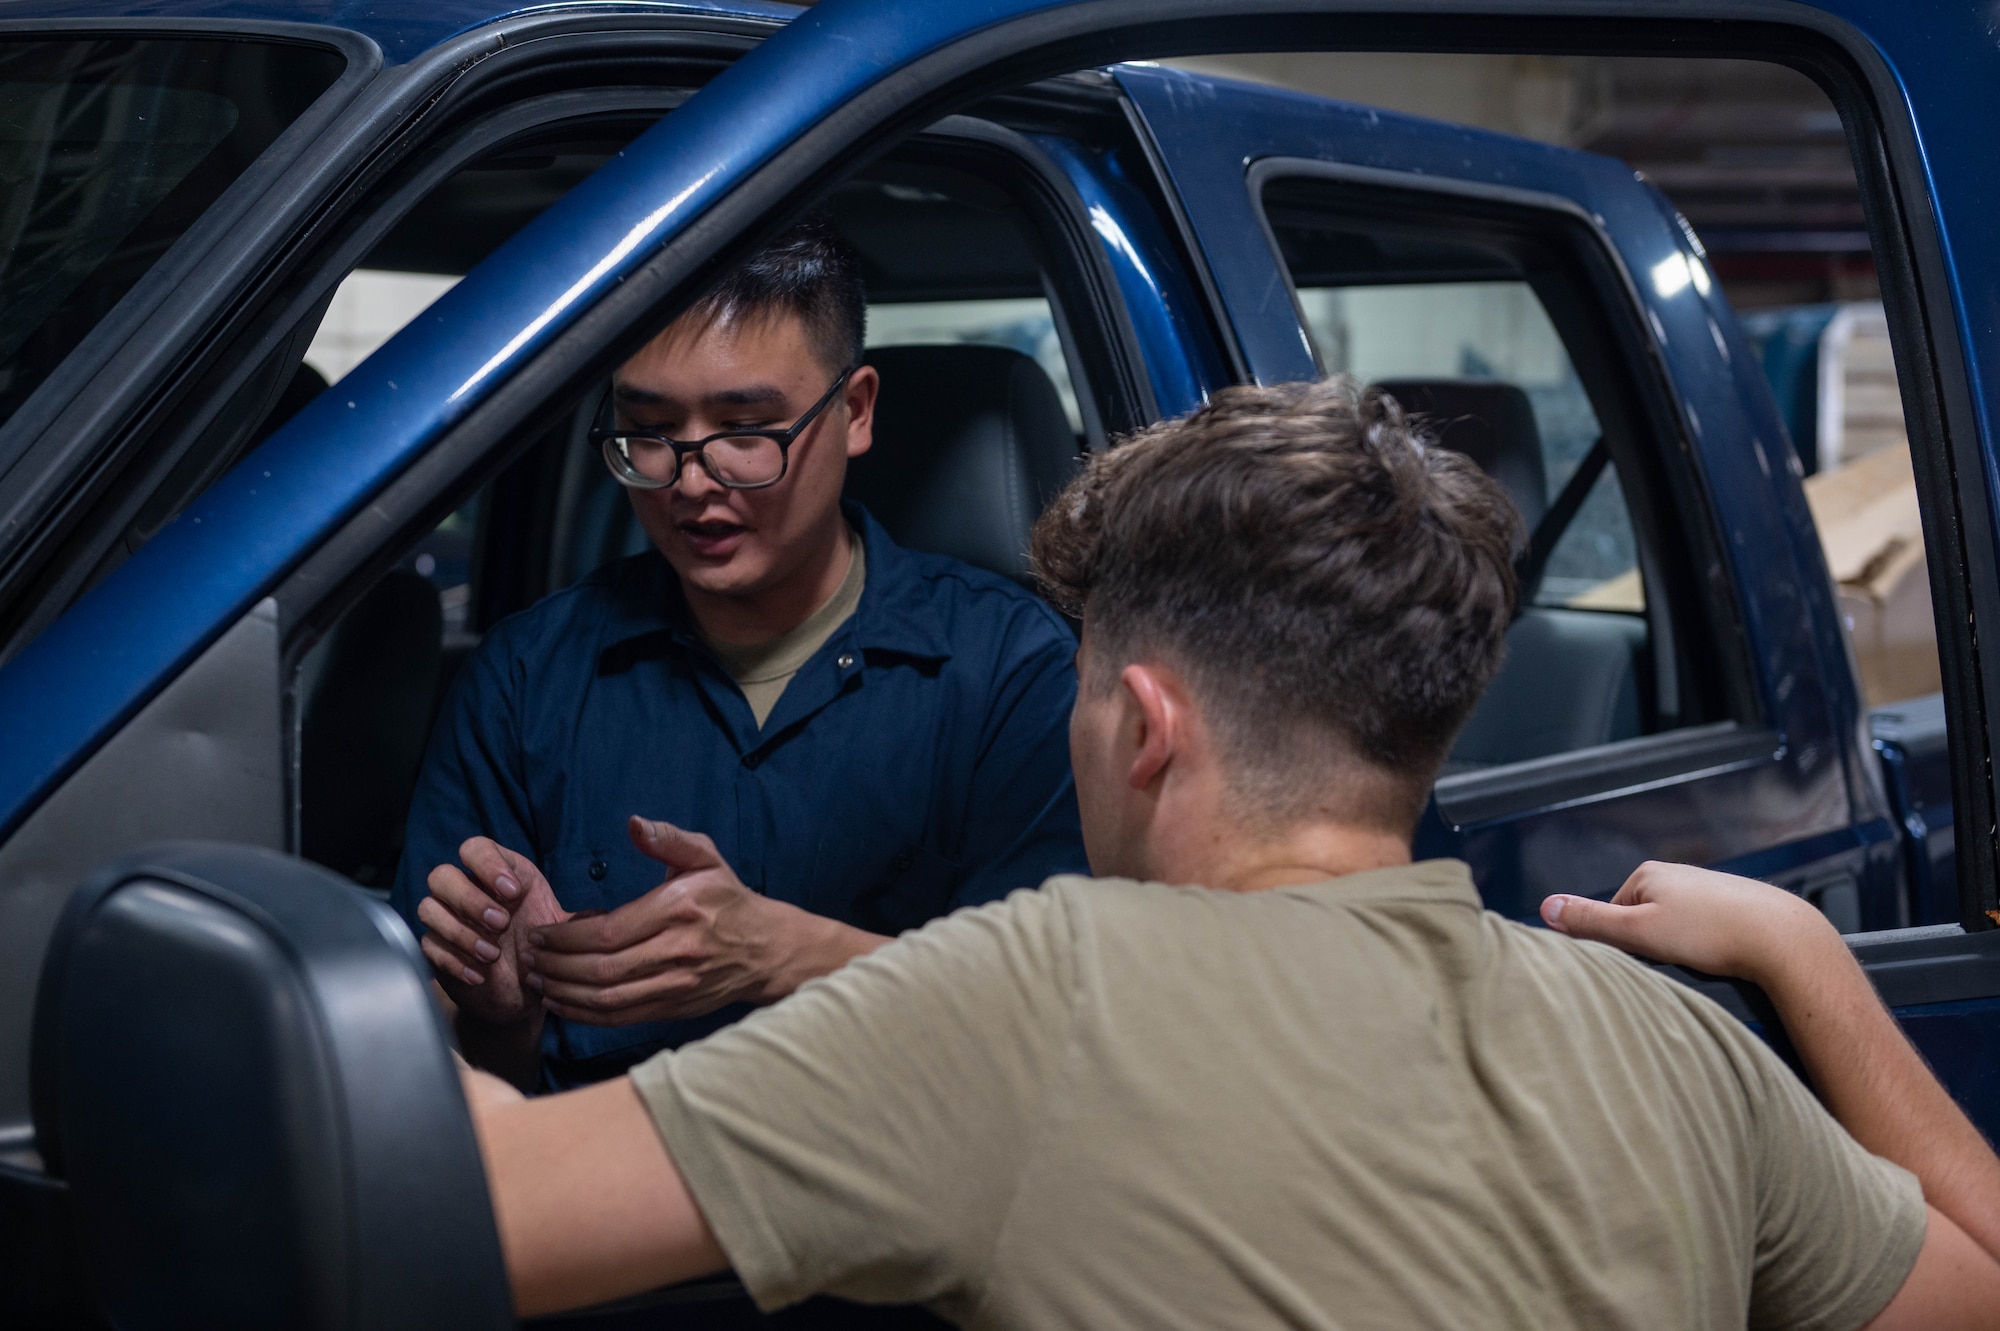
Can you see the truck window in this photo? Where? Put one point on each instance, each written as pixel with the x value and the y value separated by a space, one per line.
pixel 366 693
pixel 1495 332
pixel 1781 209
pixel 1833 374
pixel 111 148
pixel 1486 333
pixel 1027 324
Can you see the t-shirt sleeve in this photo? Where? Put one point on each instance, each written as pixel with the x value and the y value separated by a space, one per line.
pixel 1838 1229
pixel 865 1136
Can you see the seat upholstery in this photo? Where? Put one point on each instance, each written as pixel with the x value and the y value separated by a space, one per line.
pixel 1492 423
pixel 367 708
pixel 1570 681
pixel 970 444
pixel 238 1070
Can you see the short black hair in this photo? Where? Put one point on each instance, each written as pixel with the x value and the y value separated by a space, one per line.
pixel 1336 585
pixel 807 272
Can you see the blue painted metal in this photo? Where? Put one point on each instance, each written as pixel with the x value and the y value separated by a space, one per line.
pixel 1180 354
pixel 122 641
pixel 118 645
pixel 1961 1042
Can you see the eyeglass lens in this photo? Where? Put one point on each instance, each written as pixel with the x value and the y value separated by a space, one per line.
pixel 747 459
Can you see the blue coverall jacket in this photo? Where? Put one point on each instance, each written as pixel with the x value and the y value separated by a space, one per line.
pixel 919 762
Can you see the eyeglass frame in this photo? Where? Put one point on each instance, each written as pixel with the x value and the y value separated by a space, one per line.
pixel 604 438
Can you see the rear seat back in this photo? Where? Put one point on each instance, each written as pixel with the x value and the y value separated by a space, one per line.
pixel 1571 677
pixel 1570 682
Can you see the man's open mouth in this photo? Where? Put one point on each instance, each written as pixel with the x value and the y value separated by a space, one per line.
pixel 711 537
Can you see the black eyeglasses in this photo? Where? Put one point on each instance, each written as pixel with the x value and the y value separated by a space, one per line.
pixel 735 459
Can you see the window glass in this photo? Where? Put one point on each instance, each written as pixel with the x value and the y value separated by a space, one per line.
pixel 1754 157
pixel 368 308
pixel 1485 325
pixel 1832 372
pixel 1026 324
pixel 109 150
pixel 1494 331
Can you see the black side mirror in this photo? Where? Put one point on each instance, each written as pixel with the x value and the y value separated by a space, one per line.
pixel 240 1074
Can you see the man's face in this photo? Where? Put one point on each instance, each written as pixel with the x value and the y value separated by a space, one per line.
pixel 698 378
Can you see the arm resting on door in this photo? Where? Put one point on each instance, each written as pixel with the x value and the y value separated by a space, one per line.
pixel 1869 1076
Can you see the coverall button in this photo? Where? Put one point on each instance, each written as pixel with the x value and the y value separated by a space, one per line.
pixel 845 660
pixel 598 868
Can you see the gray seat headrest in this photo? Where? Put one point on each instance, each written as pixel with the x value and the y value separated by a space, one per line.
pixel 970 443
pixel 1490 422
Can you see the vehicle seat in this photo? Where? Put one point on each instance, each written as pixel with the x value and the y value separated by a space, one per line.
pixel 1490 422
pixel 238 1070
pixel 368 700
pixel 970 443
pixel 1570 681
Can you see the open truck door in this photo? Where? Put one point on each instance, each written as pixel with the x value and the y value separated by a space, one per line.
pixel 1677 684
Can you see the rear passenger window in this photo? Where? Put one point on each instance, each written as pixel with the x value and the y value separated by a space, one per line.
pixel 1474 338
pixel 1492 329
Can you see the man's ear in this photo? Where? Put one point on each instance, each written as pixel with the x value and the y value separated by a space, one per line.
pixel 1156 708
pixel 862 387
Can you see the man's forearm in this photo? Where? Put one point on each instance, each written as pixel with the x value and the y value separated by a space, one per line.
pixel 1874 1082
pixel 819 946
pixel 588 1204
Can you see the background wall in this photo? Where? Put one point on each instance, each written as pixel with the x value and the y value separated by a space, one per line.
pixel 1752 154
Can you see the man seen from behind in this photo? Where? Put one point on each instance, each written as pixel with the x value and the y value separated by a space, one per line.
pixel 1261 1069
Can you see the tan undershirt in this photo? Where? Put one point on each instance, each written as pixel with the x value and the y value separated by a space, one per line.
pixel 763 669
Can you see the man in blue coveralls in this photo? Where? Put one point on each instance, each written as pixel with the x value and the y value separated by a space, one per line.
pixel 869 737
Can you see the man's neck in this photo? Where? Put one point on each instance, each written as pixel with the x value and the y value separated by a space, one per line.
pixel 778 609
pixel 1311 853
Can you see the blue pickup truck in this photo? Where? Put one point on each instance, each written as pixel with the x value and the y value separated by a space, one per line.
pixel 231 594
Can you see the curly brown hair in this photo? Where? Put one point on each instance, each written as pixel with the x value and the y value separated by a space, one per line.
pixel 1334 586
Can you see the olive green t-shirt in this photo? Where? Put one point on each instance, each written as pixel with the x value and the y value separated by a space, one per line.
pixel 1360 1103
pixel 763 669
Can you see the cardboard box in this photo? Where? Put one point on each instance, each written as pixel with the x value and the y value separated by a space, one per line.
pixel 1872 532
